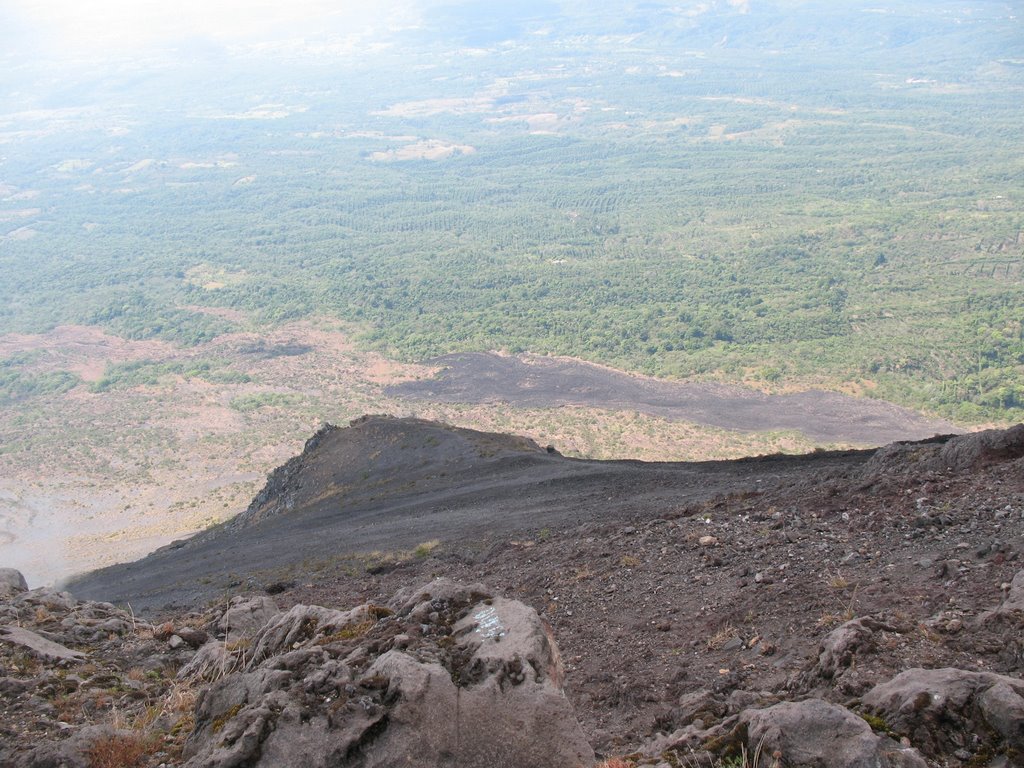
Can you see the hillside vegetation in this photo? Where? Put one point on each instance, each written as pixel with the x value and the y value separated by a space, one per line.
pixel 824 198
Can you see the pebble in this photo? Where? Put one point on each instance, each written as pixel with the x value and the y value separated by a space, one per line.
pixel 707 541
pixel 734 644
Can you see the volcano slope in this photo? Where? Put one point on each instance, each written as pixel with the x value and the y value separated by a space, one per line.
pixel 387 485
pixel 678 593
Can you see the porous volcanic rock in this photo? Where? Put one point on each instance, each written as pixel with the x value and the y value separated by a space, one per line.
pixel 817 733
pixel 955 453
pixel 946 710
pixel 453 676
pixel 12 582
pixel 245 616
pixel 841 644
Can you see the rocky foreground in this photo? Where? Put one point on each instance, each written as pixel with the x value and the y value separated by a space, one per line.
pixel 869 616
pixel 443 675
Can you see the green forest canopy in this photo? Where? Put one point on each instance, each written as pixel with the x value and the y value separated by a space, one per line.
pixel 834 195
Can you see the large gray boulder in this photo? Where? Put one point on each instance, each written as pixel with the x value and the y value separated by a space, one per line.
pixel 1014 602
pixel 12 582
pixel 944 710
pixel 245 616
pixel 453 677
pixel 40 646
pixel 817 734
pixel 841 645
pixel 1012 607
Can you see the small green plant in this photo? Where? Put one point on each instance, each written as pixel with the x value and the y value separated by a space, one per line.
pixel 348 632
pixel 877 723
pixel 221 720
pixel 425 548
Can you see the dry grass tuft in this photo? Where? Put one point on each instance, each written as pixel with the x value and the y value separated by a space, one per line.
pixel 118 750
pixel 838 581
pixel 721 637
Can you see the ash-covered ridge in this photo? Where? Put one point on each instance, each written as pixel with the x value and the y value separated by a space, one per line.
pixel 382 455
pixel 387 484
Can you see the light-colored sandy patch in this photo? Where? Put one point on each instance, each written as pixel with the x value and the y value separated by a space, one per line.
pixel 203 413
pixel 431 107
pixel 22 233
pixel 771 132
pixel 19 213
pixel 375 135
pixel 211 278
pixel 330 352
pixel 72 165
pixel 191 165
pixel 860 388
pixel 776 104
pixel 139 166
pixel 680 122
pixel 150 520
pixel 262 112
pixel 541 121
pixel 224 313
pixel 84 350
pixel 430 149
pixel 387 372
